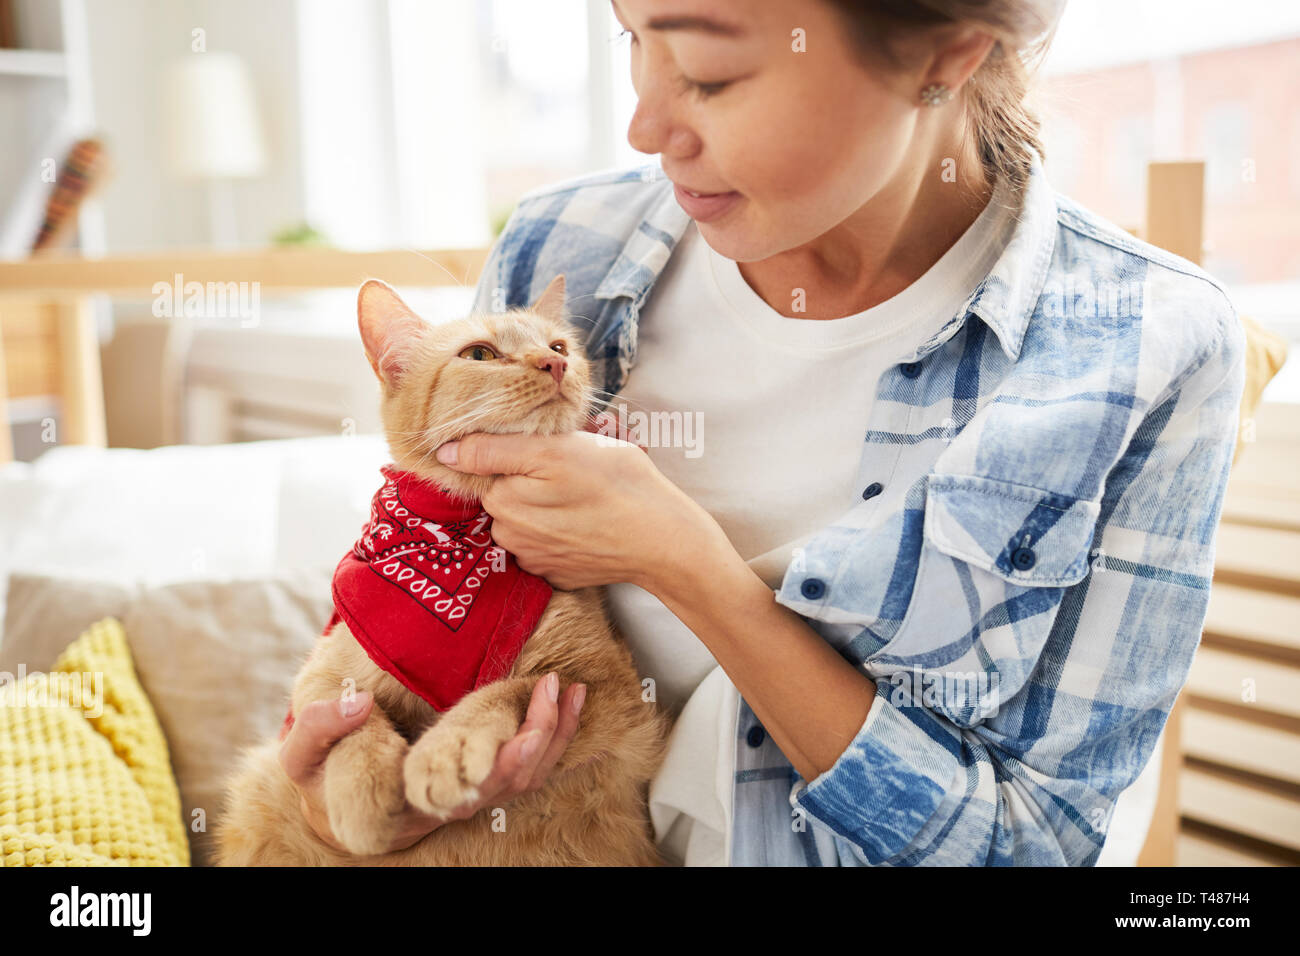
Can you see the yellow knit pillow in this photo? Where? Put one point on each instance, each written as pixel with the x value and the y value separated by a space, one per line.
pixel 85 777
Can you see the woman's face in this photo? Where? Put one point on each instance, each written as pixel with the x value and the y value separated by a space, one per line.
pixel 768 103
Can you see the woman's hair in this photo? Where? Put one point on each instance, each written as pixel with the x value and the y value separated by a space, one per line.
pixel 1005 127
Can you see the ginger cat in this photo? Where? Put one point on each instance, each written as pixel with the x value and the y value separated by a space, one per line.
pixel 439 383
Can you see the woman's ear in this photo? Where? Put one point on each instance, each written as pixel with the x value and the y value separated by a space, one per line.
pixel 961 50
pixel 551 302
pixel 389 330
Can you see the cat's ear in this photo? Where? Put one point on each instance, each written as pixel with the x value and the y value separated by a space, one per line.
pixel 389 330
pixel 551 302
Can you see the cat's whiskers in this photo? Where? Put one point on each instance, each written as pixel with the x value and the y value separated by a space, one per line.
pixel 607 397
pixel 478 405
pixel 447 429
pixel 459 282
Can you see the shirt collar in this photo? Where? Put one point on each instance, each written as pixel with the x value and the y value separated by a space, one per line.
pixel 645 254
pixel 1004 300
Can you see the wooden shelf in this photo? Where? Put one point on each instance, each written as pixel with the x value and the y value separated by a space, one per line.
pixel 66 274
pixel 48 63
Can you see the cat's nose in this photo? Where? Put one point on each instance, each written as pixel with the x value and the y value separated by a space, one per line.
pixel 554 364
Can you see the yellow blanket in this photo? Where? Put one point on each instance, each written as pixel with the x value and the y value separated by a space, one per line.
pixel 85 777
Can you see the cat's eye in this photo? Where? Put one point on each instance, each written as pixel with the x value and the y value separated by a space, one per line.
pixel 559 347
pixel 478 353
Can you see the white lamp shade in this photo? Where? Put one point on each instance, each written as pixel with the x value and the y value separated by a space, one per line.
pixel 214 128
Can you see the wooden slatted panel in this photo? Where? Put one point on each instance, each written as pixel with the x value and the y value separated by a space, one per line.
pixel 1197 850
pixel 1221 675
pixel 1240 806
pixel 1252 631
pixel 1263 505
pixel 1261 616
pixel 1242 744
pixel 1265 557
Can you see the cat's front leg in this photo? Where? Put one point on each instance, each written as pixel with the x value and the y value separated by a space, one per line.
pixel 446 766
pixel 363 787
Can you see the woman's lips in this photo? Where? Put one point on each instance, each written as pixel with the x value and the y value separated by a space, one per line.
pixel 703 207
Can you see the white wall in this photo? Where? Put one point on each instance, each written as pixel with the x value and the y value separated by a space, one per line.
pixel 370 113
pixel 132 45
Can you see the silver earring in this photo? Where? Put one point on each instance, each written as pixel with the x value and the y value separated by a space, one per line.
pixel 936 94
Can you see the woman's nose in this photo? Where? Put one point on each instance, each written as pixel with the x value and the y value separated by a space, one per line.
pixel 647 134
pixel 654 128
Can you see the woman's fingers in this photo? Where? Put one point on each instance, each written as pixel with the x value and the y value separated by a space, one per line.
pixel 519 756
pixel 538 730
pixel 604 423
pixel 319 727
pixel 571 702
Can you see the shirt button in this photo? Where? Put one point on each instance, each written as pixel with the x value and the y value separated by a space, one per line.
pixel 910 369
pixel 872 490
pixel 812 588
pixel 1022 559
pixel 755 736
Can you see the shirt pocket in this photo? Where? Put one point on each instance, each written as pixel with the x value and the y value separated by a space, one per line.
pixel 995 560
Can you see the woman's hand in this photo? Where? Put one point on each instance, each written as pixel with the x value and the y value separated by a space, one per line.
pixel 583 509
pixel 523 762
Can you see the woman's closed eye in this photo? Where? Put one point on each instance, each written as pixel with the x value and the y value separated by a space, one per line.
pixel 705 90
pixel 700 89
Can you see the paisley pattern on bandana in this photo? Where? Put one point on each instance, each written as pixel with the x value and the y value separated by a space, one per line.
pixel 442 565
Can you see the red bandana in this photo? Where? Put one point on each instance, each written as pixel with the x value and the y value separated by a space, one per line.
pixel 429 595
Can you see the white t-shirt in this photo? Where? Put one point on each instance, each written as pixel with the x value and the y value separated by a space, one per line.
pixel 769 439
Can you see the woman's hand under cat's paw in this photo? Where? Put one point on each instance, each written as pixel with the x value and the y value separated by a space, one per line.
pixel 477 757
pixel 523 763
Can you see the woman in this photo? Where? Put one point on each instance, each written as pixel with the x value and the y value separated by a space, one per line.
pixel 956 642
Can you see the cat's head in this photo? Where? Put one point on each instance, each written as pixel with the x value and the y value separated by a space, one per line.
pixel 519 371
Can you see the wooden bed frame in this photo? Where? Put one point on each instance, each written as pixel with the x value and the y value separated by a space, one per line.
pixel 48 345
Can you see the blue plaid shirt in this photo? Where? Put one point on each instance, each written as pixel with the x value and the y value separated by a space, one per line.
pixel 1027 570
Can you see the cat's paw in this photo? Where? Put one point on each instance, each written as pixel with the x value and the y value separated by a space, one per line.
pixel 362 806
pixel 446 766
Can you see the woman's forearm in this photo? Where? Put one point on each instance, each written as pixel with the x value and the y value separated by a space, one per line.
pixel 809 699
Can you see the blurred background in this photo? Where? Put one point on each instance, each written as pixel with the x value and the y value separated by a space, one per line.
pixel 149 131
pixel 398 124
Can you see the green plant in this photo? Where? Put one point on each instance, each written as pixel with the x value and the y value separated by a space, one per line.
pixel 302 234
